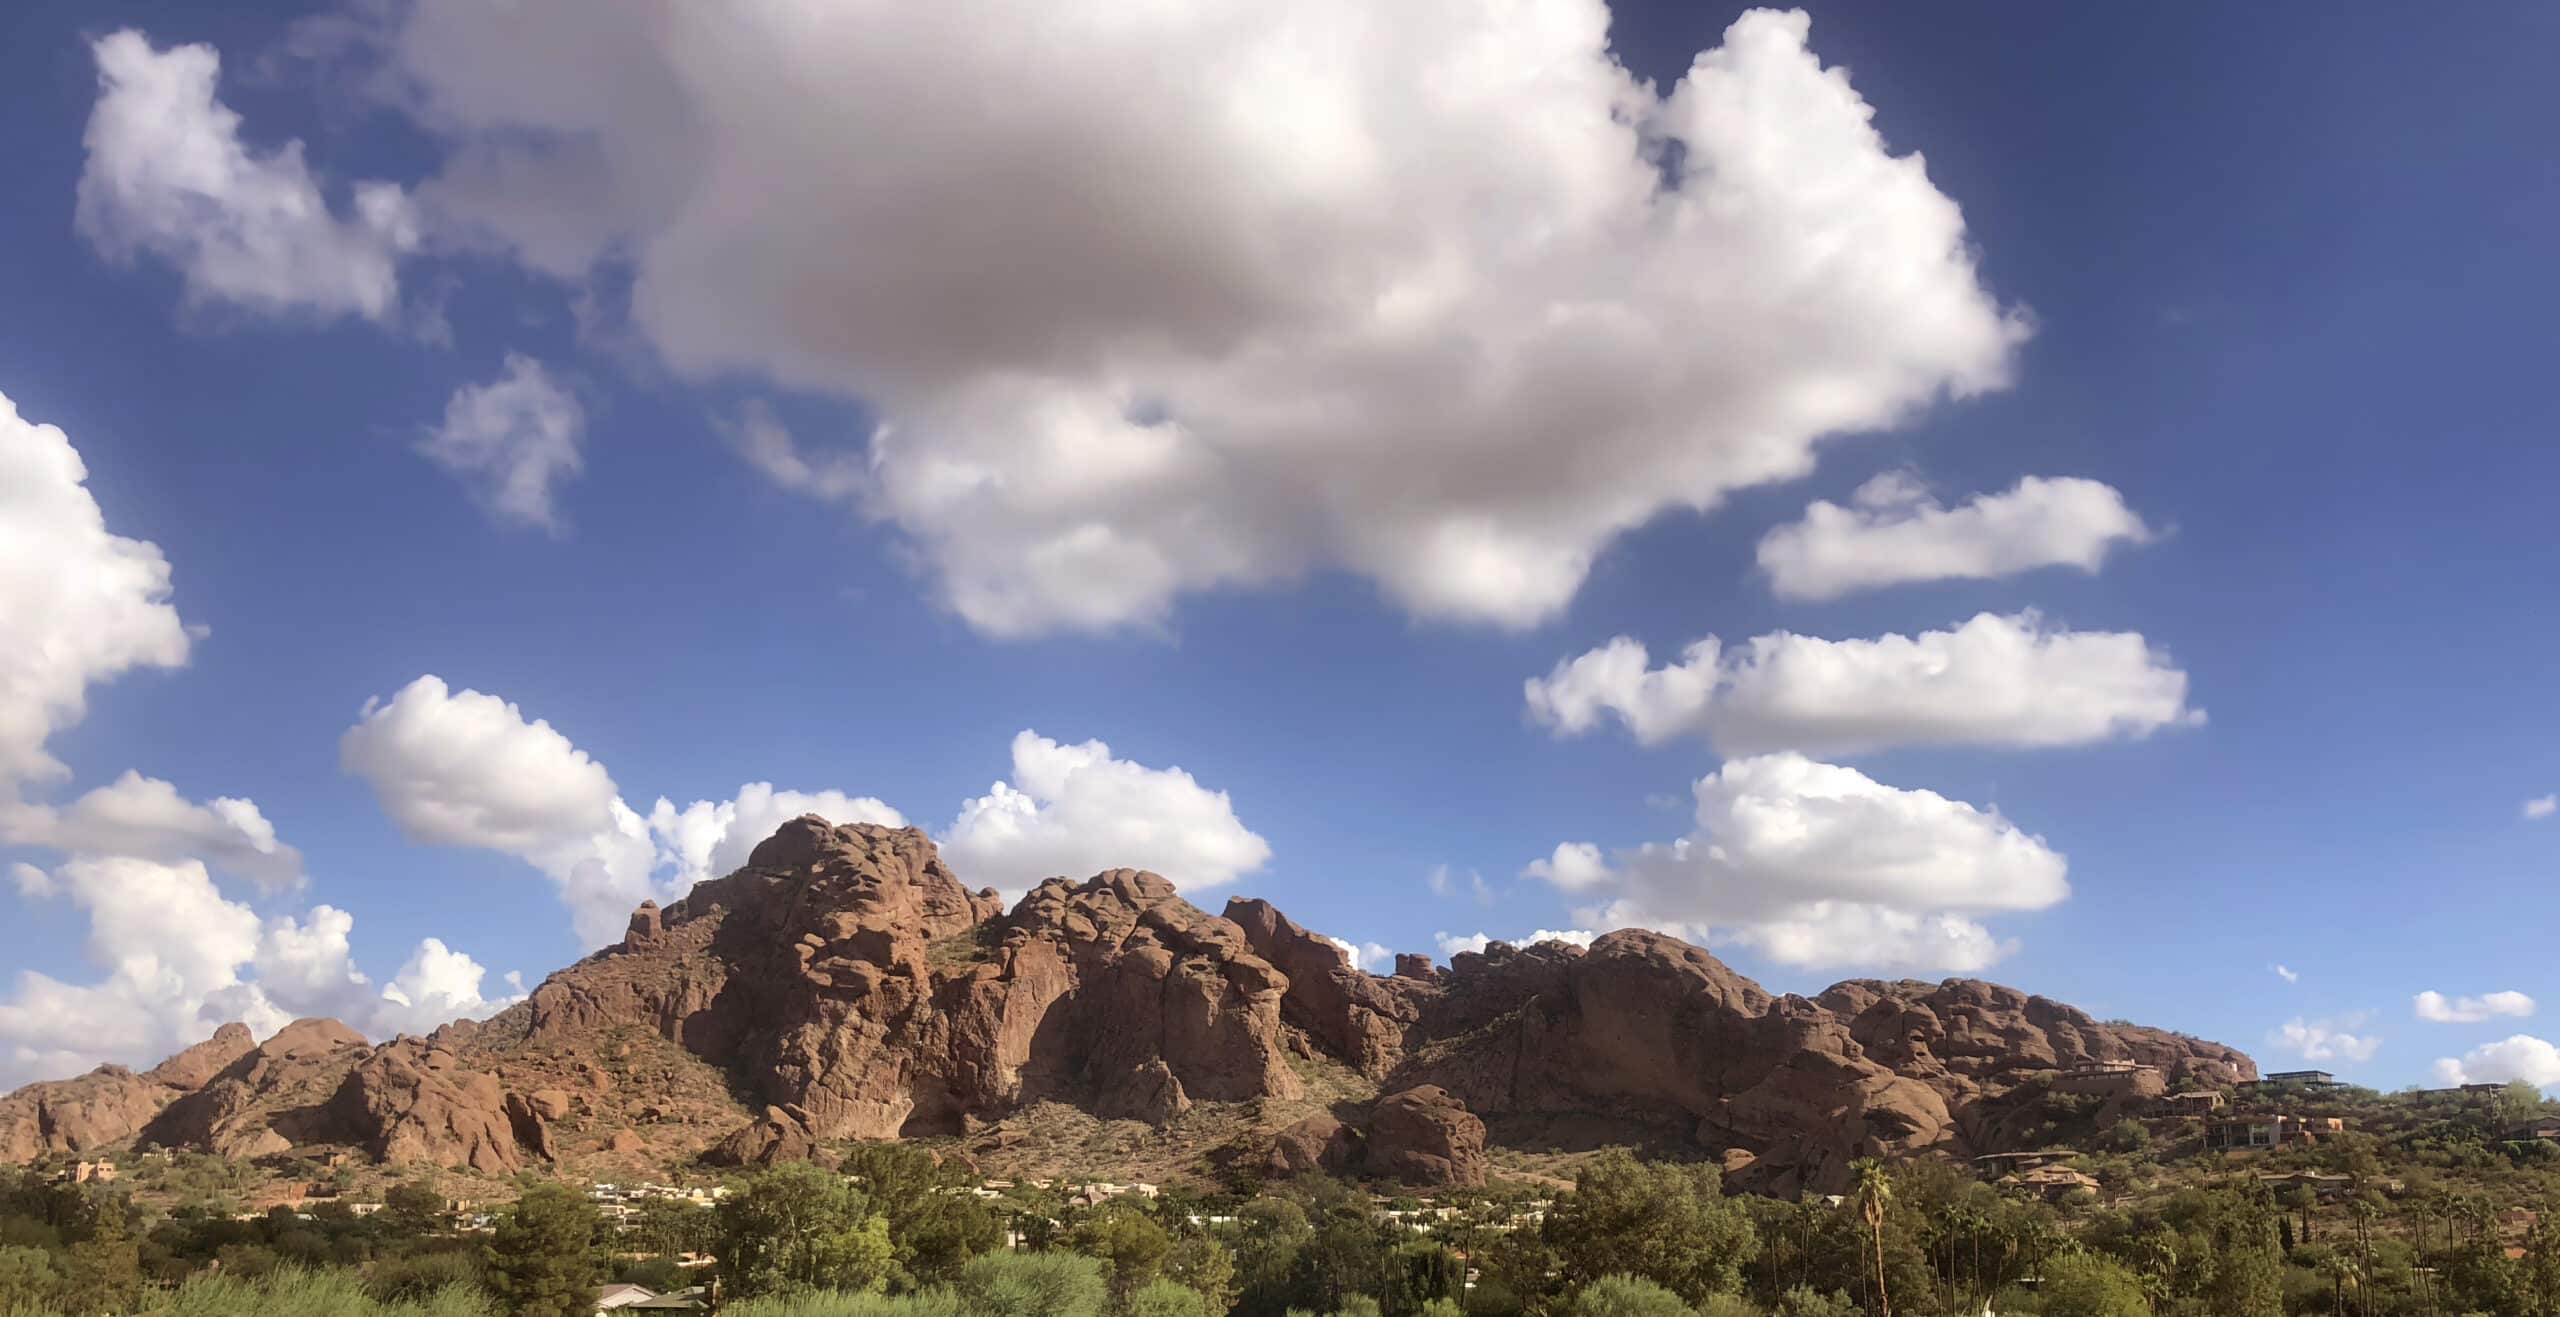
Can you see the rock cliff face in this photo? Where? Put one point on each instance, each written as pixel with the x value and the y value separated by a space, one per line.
pixel 846 985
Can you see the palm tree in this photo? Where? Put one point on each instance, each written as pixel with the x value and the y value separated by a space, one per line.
pixel 1875 1192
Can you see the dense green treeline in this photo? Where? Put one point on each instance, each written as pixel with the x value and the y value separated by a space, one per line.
pixel 2412 1214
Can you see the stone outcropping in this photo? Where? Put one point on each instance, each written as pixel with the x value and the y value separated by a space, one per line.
pixel 845 984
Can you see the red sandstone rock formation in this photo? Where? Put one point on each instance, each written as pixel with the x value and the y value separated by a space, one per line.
pixel 850 985
pixel 110 1104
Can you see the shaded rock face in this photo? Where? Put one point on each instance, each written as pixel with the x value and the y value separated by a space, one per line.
pixel 1356 1017
pixel 267 1100
pixel 846 985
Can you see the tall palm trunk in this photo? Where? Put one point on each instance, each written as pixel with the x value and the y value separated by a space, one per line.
pixel 1875 1231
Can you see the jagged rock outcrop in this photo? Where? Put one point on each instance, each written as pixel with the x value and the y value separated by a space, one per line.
pixel 847 975
pixel 844 984
pixel 1360 1018
pixel 110 1104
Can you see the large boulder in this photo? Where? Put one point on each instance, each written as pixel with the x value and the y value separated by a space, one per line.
pixel 1423 1136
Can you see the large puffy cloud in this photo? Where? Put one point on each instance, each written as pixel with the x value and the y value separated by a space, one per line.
pixel 2325 1040
pixel 1998 681
pixel 80 606
pixel 2437 1007
pixel 1818 865
pixel 1893 532
pixel 2520 1056
pixel 172 949
pixel 510 440
pixel 1436 292
pixel 464 768
pixel 1075 810
pixel 79 603
pixel 168 176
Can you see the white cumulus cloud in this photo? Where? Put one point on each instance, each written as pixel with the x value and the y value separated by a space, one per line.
pixel 2441 1009
pixel 168 176
pixel 1819 865
pixel 708 839
pixel 176 957
pixel 437 985
pixel 1435 292
pixel 1894 532
pixel 2286 972
pixel 1573 866
pixel 146 818
pixel 2521 1056
pixel 2324 1040
pixel 1075 810
pixel 510 441
pixel 2542 807
pixel 79 604
pixel 1998 681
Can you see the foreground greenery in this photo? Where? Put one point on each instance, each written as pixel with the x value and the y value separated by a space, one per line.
pixel 2418 1221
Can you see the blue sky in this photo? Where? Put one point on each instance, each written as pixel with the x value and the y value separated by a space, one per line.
pixel 2273 276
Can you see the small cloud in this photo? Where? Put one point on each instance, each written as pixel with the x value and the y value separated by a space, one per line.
pixel 2437 1007
pixel 1451 944
pixel 1370 956
pixel 2288 975
pixel 2542 807
pixel 2325 1040
pixel 1573 866
pixel 1442 880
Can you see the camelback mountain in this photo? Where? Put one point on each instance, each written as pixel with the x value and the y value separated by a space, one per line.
pixel 845 985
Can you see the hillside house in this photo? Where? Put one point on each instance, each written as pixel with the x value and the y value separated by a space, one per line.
pixel 2001 1163
pixel 2328 1188
pixel 2203 1102
pixel 2295 1078
pixel 2049 1182
pixel 2270 1132
pixel 2111 1079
